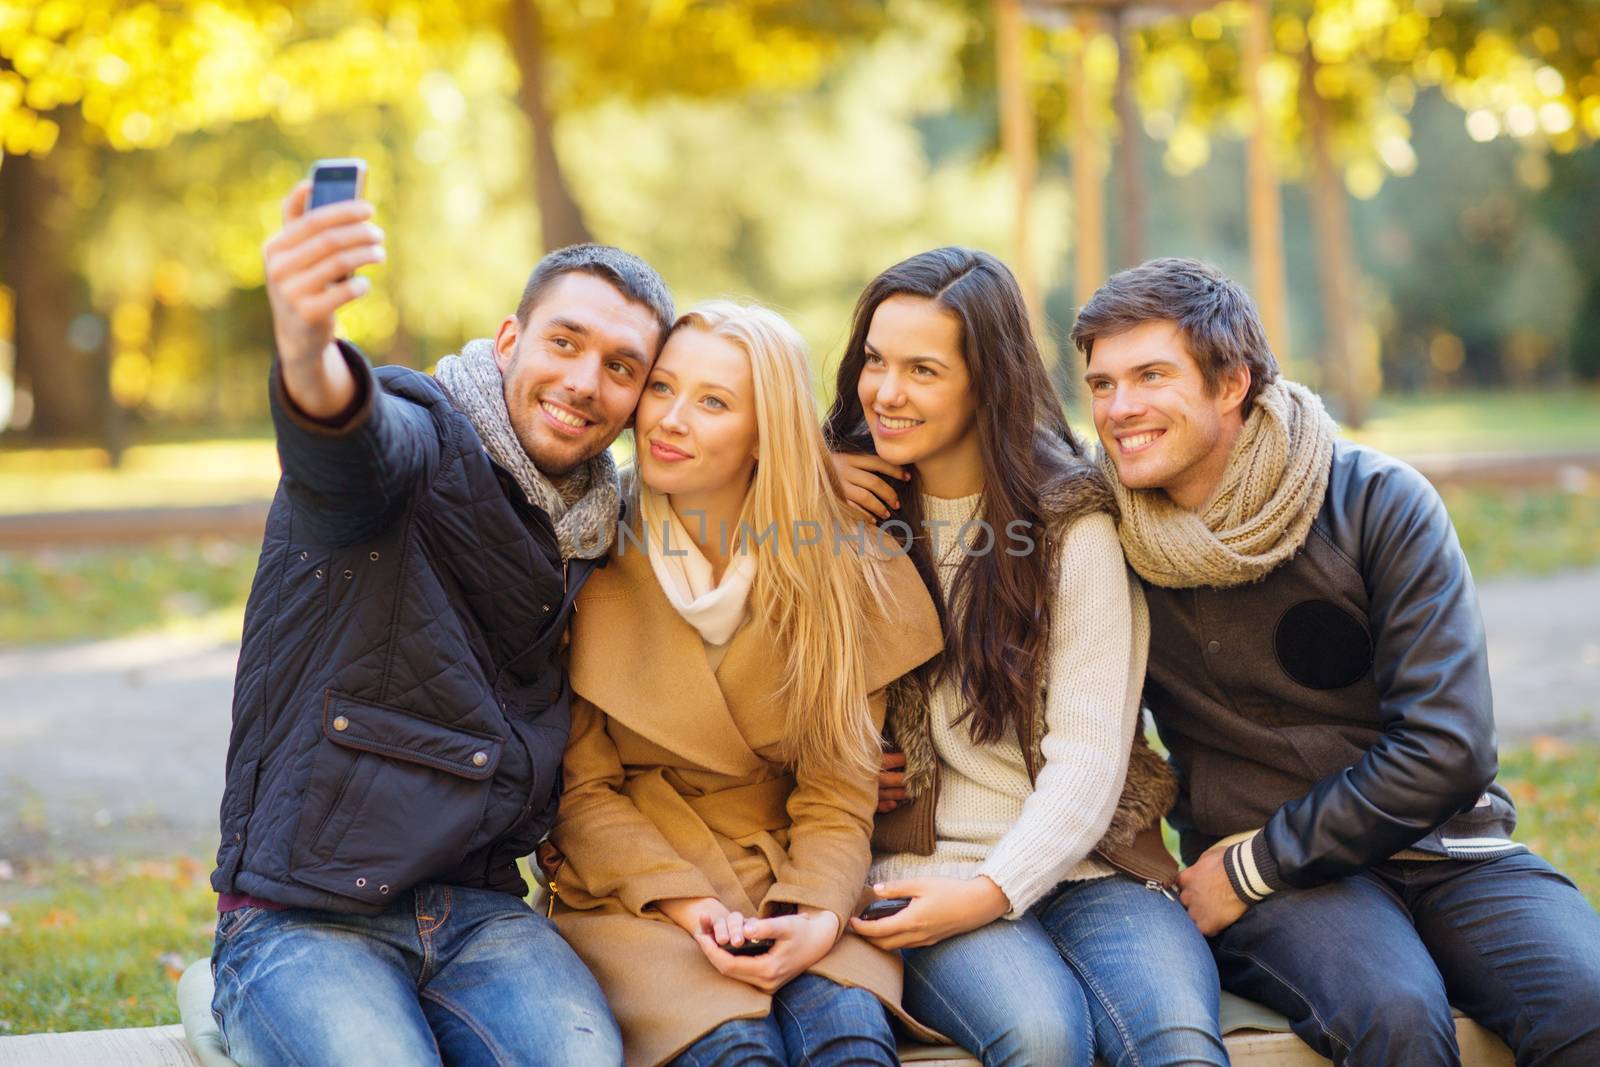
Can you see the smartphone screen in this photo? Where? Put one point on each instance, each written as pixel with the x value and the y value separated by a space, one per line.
pixel 331 184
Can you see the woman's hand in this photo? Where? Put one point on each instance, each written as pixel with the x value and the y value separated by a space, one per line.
pixel 798 941
pixel 891 781
pixel 939 908
pixel 868 483
pixel 694 914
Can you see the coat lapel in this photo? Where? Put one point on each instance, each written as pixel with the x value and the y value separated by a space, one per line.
pixel 637 660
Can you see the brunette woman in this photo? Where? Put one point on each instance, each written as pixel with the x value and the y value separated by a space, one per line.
pixel 1042 927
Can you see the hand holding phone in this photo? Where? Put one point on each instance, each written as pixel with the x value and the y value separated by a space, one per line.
pixel 310 274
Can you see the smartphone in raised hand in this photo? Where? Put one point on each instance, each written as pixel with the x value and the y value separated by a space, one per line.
pixel 333 180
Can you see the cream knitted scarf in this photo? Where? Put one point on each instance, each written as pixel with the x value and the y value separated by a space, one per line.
pixel 714 608
pixel 587 526
pixel 1260 512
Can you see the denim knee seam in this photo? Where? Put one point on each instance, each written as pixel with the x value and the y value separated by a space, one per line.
pixel 1322 1025
pixel 1505 989
pixel 470 1023
pixel 779 1005
pixel 974 1044
pixel 266 1019
pixel 1129 1044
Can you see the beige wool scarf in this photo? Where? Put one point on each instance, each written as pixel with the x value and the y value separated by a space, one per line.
pixel 1261 511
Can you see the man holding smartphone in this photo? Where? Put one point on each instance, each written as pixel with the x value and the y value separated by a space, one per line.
pixel 401 707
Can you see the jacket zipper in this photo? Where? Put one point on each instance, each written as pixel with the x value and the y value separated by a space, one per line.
pixel 1162 888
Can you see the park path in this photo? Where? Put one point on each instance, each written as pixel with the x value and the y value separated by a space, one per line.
pixel 117 746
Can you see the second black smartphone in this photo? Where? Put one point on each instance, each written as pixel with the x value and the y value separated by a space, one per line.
pixel 749 948
pixel 882 909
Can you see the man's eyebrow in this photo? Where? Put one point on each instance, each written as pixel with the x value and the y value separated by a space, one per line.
pixel 1092 375
pixel 629 353
pixel 570 325
pixel 622 351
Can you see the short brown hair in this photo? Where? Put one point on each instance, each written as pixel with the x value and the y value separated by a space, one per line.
pixel 1221 328
pixel 628 274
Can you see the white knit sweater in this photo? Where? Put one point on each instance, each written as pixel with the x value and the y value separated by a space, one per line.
pixel 989 819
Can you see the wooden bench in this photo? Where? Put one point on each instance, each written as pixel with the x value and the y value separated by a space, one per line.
pixel 1249 1028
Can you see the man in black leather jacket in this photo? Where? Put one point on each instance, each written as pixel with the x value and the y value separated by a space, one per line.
pixel 401 705
pixel 1318 673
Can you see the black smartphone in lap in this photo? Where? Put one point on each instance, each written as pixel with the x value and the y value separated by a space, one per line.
pixel 755 947
pixel 882 909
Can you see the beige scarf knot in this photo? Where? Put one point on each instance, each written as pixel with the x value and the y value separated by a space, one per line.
pixel 1261 511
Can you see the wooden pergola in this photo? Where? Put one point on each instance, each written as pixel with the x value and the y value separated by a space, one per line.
pixel 1090 166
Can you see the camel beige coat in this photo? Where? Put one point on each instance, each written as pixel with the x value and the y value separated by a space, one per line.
pixel 675 787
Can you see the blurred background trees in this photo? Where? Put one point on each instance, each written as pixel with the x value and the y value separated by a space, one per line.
pixel 1431 161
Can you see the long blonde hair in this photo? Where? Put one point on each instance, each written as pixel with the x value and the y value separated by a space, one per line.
pixel 814 597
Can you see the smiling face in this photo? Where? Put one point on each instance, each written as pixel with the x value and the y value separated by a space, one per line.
pixel 574 369
pixel 1159 423
pixel 917 394
pixel 696 421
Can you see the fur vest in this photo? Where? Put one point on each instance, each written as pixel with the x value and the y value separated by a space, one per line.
pixel 1133 842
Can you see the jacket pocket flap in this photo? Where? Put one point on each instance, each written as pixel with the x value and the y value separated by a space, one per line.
pixel 404 735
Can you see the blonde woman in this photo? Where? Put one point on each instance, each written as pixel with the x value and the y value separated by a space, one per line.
pixel 728 669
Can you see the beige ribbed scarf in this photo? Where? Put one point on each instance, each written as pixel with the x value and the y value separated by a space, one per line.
pixel 1261 511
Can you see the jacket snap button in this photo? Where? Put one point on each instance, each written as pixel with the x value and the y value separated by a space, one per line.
pixel 319 572
pixel 303 555
pixel 479 759
pixel 547 607
pixel 349 574
pixel 1214 647
pixel 341 724
pixel 384 890
pixel 361 883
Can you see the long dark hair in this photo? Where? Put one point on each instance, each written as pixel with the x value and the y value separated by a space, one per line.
pixel 998 624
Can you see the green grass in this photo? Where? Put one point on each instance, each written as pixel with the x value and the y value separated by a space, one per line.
pixel 1542 421
pixel 1525 531
pixel 97 945
pixel 158 475
pixel 184 583
pixel 92 945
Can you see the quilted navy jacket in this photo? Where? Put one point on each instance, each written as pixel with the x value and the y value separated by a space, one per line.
pixel 400 707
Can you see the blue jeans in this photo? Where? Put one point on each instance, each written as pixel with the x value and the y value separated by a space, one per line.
pixel 1366 967
pixel 814 1022
pixel 446 974
pixel 1101 967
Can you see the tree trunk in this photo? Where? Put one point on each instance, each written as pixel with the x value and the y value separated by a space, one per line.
pixel 1263 200
pixel 560 218
pixel 1088 171
pixel 1017 137
pixel 1130 161
pixel 69 387
pixel 1330 220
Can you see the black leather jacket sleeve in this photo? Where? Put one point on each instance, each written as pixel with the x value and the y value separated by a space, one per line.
pixel 1438 750
pixel 347 482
